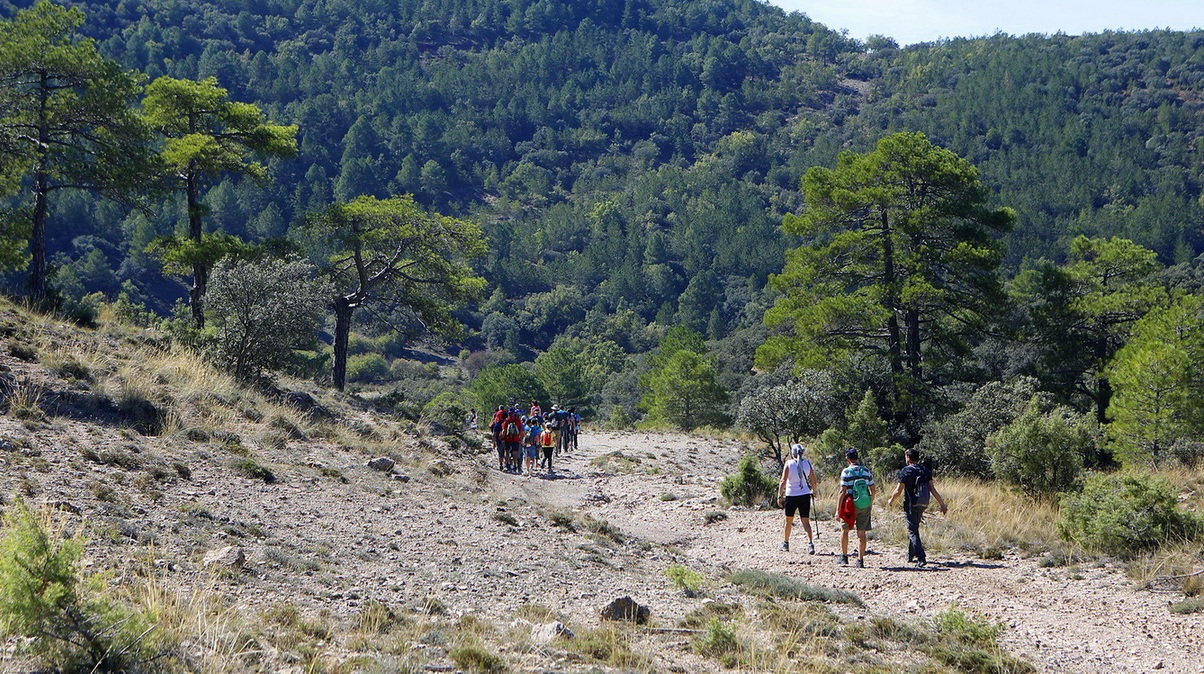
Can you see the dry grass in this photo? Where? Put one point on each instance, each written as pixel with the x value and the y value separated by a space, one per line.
pixel 983 517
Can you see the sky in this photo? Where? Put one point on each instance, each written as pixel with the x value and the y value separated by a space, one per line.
pixel 912 21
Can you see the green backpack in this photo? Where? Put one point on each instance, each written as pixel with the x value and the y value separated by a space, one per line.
pixel 861 493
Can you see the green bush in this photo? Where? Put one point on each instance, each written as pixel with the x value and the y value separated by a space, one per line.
pixel 748 486
pixel 1042 452
pixel 1124 514
pixel 447 411
pixel 684 579
pixel 718 640
pixel 367 368
pixel 73 627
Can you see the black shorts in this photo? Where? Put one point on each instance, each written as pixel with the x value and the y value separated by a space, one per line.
pixel 800 503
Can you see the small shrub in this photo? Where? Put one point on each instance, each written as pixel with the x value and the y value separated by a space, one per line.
pixel 446 412
pixel 22 352
pixel 562 521
pixel 748 486
pixel 1188 606
pixel 73 626
pixel 367 368
pixel 714 516
pixel 506 518
pixel 684 579
pixel 377 618
pixel 248 467
pixel 1124 514
pixel 777 585
pixel 967 629
pixel 718 640
pixel 182 469
pixel 476 659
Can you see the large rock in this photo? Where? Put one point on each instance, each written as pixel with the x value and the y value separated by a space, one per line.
pixel 231 557
pixel 384 464
pixel 626 608
pixel 549 632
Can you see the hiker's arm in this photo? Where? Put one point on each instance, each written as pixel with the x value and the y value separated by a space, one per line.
pixel 782 482
pixel 937 495
pixel 895 495
pixel 811 480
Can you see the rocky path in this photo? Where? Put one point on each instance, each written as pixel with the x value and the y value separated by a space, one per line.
pixel 1087 619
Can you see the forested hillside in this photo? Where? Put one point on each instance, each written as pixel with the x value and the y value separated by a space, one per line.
pixel 631 163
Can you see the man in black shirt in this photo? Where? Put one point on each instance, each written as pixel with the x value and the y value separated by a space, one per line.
pixel 917 488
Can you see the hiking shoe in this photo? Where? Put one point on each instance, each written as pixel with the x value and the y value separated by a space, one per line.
pixel 843 560
pixel 786 546
pixel 860 563
pixel 811 548
pixel 921 563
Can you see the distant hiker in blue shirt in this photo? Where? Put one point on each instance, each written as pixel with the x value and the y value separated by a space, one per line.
pixel 857 484
pixel 917 488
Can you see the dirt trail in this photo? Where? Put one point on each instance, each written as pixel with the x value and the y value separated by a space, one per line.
pixel 1081 620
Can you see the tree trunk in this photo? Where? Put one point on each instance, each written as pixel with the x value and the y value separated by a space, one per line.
pixel 915 362
pixel 37 240
pixel 342 331
pixel 41 201
pixel 200 272
pixel 891 302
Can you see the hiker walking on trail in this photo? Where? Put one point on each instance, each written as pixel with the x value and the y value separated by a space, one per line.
pixel 531 443
pixel 917 488
pixel 547 443
pixel 795 491
pixel 855 502
pixel 574 427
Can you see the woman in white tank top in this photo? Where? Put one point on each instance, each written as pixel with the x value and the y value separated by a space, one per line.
pixel 795 490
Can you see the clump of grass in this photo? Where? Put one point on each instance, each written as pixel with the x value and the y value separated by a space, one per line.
pixel 709 610
pixel 685 580
pixel 474 658
pixel 669 497
pixel 800 620
pixel 971 645
pixel 563 521
pixel 535 612
pixel 1192 605
pixel 250 468
pixel 505 518
pixel 22 352
pixel 378 618
pixel 602 530
pixel 609 646
pixel 333 473
pixel 718 641
pixel 714 516
pixel 777 585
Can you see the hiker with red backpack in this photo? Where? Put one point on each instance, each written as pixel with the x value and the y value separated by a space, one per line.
pixel 857 492
pixel 512 439
pixel 917 489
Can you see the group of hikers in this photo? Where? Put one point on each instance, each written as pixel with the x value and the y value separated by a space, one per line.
pixel 524 437
pixel 855 501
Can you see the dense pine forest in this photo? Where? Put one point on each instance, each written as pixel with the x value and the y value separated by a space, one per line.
pixel 630 165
